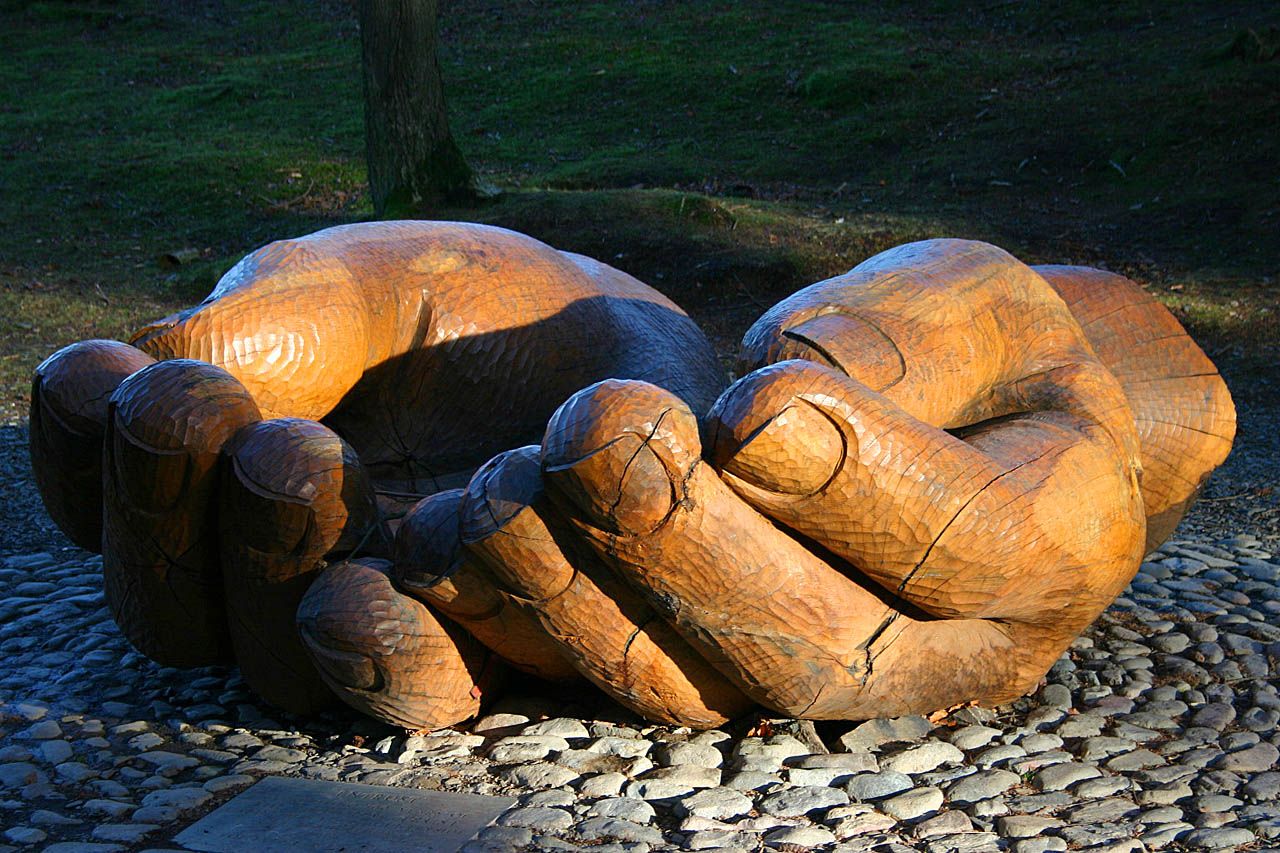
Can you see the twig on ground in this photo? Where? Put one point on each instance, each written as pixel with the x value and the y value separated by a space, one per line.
pixel 285 205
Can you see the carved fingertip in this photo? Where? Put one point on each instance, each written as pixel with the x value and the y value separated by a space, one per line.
pixel 768 431
pixel 850 344
pixel 504 487
pixel 619 452
pixel 796 452
pixel 597 416
pixel 386 654
pixel 69 394
pixel 183 404
pixel 349 670
pixel 77 380
pixel 427 545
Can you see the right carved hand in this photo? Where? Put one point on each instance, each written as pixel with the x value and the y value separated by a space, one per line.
pixel 921 512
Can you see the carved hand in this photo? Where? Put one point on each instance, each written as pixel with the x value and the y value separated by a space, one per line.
pixel 936 471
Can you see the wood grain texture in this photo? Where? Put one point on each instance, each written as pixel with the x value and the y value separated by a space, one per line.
pixel 431 346
pixel 385 654
pixel 607 631
pixel 932 567
pixel 1183 411
pixel 165 427
pixel 936 471
pixel 1021 387
pixel 431 565
pixel 69 395
pixel 291 494
pixel 788 629
pixel 961 330
pixel 800 630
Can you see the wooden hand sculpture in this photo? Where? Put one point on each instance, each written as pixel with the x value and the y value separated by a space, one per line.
pixel 424 347
pixel 936 471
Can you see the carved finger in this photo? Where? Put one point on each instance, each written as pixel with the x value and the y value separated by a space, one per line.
pixel 400 336
pixel 791 631
pixel 1181 407
pixel 1033 518
pixel 385 654
pixel 292 492
pixel 945 329
pixel 430 564
pixel 289 321
pixel 165 428
pixel 69 394
pixel 603 627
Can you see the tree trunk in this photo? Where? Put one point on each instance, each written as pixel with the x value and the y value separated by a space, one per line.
pixel 413 160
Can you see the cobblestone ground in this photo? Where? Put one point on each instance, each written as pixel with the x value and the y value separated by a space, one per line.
pixel 1158 730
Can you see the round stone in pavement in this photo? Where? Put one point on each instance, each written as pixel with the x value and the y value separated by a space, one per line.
pixel 866 824
pixel 110 808
pixel 560 726
pixel 620 746
pixel 632 809
pixel 1025 826
pixel 1216 839
pixel 876 733
pixel 718 803
pixel 1056 696
pixel 913 804
pixel 42 730
pixel 869 787
pixel 182 799
pixel 799 836
pixel 1255 759
pixel 604 785
pixel 538 818
pixel 972 737
pixel 982 785
pixel 698 754
pixel 511 836
pixel 1263 787
pixel 944 823
pixel 510 750
pixel 218 784
pixel 923 758
pixel 618 829
pixel 25 835
pixel 1059 776
pixel 538 775
pixel 854 762
pixel 801 801
pixel 125 833
pixel 56 751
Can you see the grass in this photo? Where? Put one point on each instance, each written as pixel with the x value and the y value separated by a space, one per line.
pixel 725 152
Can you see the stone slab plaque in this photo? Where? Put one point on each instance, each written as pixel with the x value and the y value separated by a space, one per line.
pixel 285 815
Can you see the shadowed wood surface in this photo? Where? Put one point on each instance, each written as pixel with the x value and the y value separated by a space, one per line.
pixel 386 654
pixel 430 346
pixel 69 396
pixel 291 493
pixel 431 565
pixel 160 562
pixel 929 480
